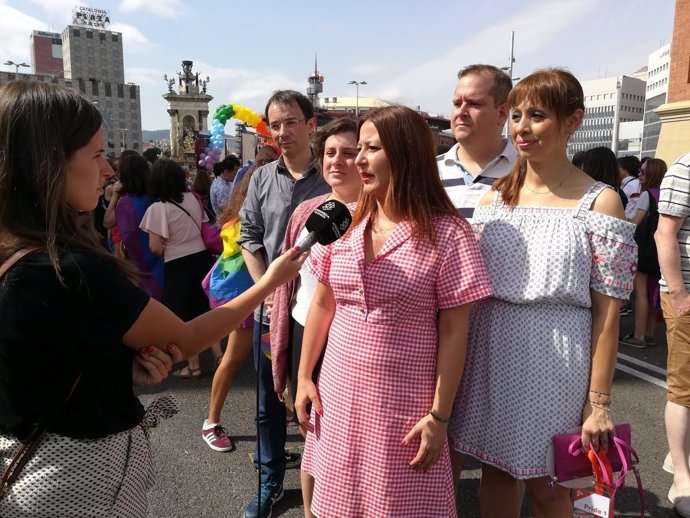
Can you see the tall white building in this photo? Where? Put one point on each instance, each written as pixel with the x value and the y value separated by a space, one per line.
pixel 609 102
pixel 655 96
pixel 92 60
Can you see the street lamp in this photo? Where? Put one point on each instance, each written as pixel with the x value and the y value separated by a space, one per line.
pixel 123 144
pixel 357 83
pixel 17 65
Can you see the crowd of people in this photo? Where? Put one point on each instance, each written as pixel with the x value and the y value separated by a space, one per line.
pixel 402 345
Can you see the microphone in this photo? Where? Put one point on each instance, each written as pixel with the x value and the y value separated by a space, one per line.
pixel 326 224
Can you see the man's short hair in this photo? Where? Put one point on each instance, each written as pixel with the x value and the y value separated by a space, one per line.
pixel 291 97
pixel 502 86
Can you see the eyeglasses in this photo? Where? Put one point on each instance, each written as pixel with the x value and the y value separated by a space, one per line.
pixel 643 171
pixel 287 124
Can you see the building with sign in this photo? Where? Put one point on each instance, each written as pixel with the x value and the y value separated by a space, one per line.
pixel 46 53
pixel 88 57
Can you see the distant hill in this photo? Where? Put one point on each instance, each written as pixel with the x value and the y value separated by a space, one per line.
pixel 155 135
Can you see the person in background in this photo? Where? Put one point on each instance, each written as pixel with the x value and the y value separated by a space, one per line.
pixel 481 155
pixel 66 381
pixel 336 145
pixel 578 158
pixel 647 303
pixel 673 245
pixel 274 192
pixel 393 302
pixel 600 163
pixel 628 169
pixel 264 154
pixel 129 203
pixel 214 434
pixel 222 185
pixel 201 187
pixel 560 256
pixel 173 223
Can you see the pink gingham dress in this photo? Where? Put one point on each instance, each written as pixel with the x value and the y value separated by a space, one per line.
pixel 529 350
pixel 379 371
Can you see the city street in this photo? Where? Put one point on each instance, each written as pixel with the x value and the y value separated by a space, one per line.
pixel 193 480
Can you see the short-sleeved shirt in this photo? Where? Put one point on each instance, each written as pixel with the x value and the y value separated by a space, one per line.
pixel 272 197
pixel 674 200
pixel 181 232
pixel 50 333
pixel 466 190
pixel 631 188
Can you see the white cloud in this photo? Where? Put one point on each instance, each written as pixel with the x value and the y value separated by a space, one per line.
pixel 368 69
pixel 15 31
pixel 430 84
pixel 132 37
pixel 164 8
pixel 60 8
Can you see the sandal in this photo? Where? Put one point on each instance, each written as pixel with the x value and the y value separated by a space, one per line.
pixel 187 373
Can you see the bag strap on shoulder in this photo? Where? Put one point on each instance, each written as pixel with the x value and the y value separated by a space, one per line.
pixel 19 254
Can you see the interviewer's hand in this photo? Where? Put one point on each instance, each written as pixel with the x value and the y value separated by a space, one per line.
pixel 151 365
pixel 432 436
pixel 307 393
pixel 286 267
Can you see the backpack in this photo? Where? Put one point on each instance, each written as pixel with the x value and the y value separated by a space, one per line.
pixel 647 258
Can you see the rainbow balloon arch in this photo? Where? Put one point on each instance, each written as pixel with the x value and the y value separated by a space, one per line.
pixel 224 112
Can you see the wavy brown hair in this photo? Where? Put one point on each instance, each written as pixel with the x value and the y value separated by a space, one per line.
pixel 553 88
pixel 415 191
pixel 41 127
pixel 654 171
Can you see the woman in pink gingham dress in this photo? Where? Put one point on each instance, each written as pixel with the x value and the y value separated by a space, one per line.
pixel 393 300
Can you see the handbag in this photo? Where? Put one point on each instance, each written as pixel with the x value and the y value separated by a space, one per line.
pixel 27 448
pixel 570 467
pixel 209 233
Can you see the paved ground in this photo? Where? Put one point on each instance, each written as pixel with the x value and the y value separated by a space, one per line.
pixel 193 480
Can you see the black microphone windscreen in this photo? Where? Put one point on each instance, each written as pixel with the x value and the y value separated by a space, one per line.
pixel 329 221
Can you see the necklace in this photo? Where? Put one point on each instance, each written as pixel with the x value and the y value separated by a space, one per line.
pixel 381 230
pixel 565 179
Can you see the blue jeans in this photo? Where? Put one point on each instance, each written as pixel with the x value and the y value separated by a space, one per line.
pixel 271 411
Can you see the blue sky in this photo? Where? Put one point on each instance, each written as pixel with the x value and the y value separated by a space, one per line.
pixel 407 51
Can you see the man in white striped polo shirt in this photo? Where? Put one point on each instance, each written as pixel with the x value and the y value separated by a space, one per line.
pixel 481 155
pixel 673 246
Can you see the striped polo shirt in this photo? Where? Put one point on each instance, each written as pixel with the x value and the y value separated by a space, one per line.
pixel 465 190
pixel 674 200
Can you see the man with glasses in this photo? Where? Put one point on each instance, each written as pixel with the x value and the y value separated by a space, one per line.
pixel 274 192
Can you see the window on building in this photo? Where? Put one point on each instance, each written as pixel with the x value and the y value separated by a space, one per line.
pixel 114 38
pixel 108 91
pixel 120 90
pixel 101 36
pixel 75 33
pixel 94 88
pixel 89 35
pixel 132 92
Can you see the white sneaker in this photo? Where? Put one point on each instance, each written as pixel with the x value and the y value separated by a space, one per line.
pixel 680 500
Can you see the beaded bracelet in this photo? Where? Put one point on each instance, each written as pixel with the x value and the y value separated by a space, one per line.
pixel 438 417
pixel 601 406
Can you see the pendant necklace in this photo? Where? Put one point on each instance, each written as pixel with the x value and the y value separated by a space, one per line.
pixel 565 179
